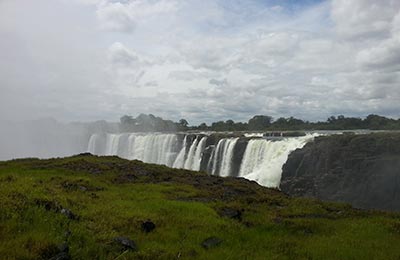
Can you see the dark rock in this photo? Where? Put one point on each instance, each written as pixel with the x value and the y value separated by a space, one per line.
pixel 238 153
pixel 211 242
pixel 278 220
pixel 47 204
pixel 70 186
pixel 61 256
pixel 54 252
pixel 192 253
pixel 148 226
pixel 68 213
pixel 64 248
pixel 204 164
pixel 231 213
pixel 67 233
pixel 82 188
pixel 126 243
pixel 94 195
pixel 363 170
pixel 83 154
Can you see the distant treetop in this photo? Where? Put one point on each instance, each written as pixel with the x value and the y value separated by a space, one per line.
pixel 143 123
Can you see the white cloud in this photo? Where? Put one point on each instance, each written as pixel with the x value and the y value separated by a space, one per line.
pixel 123 16
pixel 364 18
pixel 205 61
pixel 126 67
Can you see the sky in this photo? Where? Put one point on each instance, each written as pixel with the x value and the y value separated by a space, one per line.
pixel 202 60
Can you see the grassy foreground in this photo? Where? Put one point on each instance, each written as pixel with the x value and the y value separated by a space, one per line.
pixel 109 197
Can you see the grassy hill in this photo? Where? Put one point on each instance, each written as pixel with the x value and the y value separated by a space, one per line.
pixel 80 207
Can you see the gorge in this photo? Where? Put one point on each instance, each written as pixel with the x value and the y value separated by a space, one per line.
pixel 358 167
pixel 254 158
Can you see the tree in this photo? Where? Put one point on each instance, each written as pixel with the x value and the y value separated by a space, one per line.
pixel 229 122
pixel 259 122
pixel 203 126
pixel 376 122
pixel 183 122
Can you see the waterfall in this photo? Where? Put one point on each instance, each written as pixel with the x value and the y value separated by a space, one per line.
pixel 198 154
pixel 263 159
pixel 92 143
pixel 193 158
pixel 189 158
pixel 153 148
pixel 180 159
pixel 216 155
pixel 222 157
pixel 226 163
pixel 112 144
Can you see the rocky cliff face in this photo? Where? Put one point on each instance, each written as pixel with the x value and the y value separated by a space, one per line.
pixel 363 170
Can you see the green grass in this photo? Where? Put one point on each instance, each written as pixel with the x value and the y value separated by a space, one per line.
pixel 112 197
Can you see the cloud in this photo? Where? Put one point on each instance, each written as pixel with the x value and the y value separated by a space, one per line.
pixel 385 54
pixel 151 84
pixel 201 60
pixel 123 16
pixel 216 82
pixel 363 18
pixel 126 67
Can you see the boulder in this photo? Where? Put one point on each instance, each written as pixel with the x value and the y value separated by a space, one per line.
pixel 68 213
pixel 61 256
pixel 148 226
pixel 126 243
pixel 211 242
pixel 231 213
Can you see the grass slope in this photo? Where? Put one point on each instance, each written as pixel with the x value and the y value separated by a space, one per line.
pixel 111 197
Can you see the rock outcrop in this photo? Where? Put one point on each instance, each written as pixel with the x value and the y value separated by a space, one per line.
pixel 363 170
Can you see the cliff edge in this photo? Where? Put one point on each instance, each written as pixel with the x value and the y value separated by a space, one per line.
pixel 363 170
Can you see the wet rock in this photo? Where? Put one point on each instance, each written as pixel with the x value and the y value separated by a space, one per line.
pixel 82 188
pixel 74 186
pixel 83 154
pixel 211 242
pixel 68 213
pixel 64 248
pixel 278 220
pixel 47 204
pixel 231 213
pixel 362 170
pixel 148 226
pixel 126 243
pixel 61 256
pixel 54 252
pixel 67 233
pixel 94 195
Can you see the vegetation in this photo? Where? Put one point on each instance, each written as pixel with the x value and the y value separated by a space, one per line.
pixel 150 122
pixel 86 202
pixel 259 123
pixel 266 123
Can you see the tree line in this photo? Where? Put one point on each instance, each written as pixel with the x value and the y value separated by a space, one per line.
pixel 259 123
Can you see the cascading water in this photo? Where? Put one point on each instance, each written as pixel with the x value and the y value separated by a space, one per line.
pixel 192 160
pixel 198 154
pixel 92 143
pixel 222 157
pixel 159 149
pixel 262 159
pixel 180 159
pixel 192 151
pixel 112 143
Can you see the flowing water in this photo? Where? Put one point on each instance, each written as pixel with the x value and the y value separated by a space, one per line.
pixel 262 159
